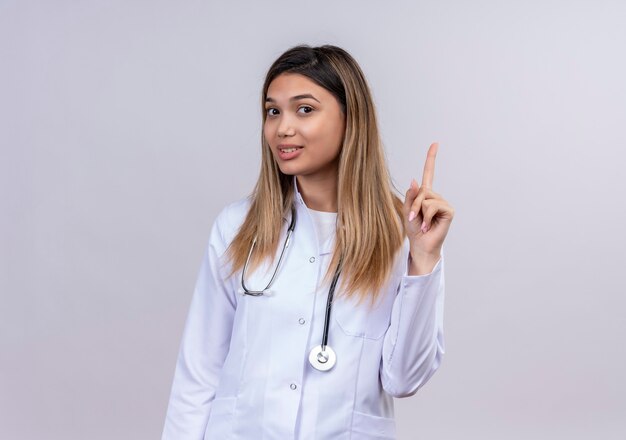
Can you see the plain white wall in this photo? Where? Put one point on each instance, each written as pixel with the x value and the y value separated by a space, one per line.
pixel 126 126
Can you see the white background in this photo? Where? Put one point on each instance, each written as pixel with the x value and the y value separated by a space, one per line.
pixel 125 126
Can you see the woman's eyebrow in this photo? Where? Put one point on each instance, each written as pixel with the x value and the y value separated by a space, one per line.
pixel 294 98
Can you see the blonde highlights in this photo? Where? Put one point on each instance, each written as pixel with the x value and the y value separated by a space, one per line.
pixel 369 228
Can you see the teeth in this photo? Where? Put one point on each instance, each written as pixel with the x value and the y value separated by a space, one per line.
pixel 288 150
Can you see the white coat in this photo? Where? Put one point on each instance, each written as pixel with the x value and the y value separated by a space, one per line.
pixel 243 369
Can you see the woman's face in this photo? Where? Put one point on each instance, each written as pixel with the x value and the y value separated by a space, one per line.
pixel 304 126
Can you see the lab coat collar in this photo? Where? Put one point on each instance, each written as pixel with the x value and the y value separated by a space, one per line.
pixel 301 208
pixel 298 196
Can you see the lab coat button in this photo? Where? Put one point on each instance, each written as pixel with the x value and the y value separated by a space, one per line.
pixel 301 321
pixel 293 386
pixel 312 260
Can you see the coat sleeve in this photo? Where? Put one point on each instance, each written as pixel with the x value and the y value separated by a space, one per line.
pixel 414 343
pixel 204 346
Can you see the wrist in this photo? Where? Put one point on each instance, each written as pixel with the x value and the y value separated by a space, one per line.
pixel 421 263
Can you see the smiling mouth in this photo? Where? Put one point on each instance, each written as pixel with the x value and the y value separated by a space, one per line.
pixel 289 150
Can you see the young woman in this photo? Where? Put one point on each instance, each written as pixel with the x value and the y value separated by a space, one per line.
pixel 320 297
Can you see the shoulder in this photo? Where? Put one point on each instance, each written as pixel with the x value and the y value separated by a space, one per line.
pixel 231 217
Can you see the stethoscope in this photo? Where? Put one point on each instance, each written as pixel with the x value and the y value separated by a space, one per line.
pixel 321 357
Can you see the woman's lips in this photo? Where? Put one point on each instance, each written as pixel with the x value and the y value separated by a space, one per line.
pixel 287 153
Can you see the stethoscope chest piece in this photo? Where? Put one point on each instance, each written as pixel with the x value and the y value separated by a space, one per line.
pixel 322 360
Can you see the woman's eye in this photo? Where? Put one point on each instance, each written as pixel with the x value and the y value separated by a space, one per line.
pixel 306 109
pixel 271 111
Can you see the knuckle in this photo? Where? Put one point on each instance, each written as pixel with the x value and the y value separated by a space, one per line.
pixel 431 194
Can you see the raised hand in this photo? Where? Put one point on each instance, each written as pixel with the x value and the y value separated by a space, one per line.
pixel 427 219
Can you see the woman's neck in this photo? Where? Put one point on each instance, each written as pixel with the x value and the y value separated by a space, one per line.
pixel 319 194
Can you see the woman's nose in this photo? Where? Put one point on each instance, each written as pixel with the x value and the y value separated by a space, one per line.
pixel 286 127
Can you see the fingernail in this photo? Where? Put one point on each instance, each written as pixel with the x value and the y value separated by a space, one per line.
pixel 411 216
pixel 423 228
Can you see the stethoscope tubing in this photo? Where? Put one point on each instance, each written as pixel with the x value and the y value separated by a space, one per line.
pixel 247 291
pixel 329 303
pixel 322 357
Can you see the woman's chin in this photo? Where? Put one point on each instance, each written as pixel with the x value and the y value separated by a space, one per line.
pixel 289 169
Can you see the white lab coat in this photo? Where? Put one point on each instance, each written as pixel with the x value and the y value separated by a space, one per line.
pixel 243 369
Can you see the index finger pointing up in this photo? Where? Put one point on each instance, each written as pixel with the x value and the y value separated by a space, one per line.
pixel 429 166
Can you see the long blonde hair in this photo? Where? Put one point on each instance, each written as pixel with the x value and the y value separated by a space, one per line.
pixel 369 226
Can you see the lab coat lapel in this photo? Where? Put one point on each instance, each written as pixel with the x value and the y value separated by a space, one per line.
pixel 302 211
